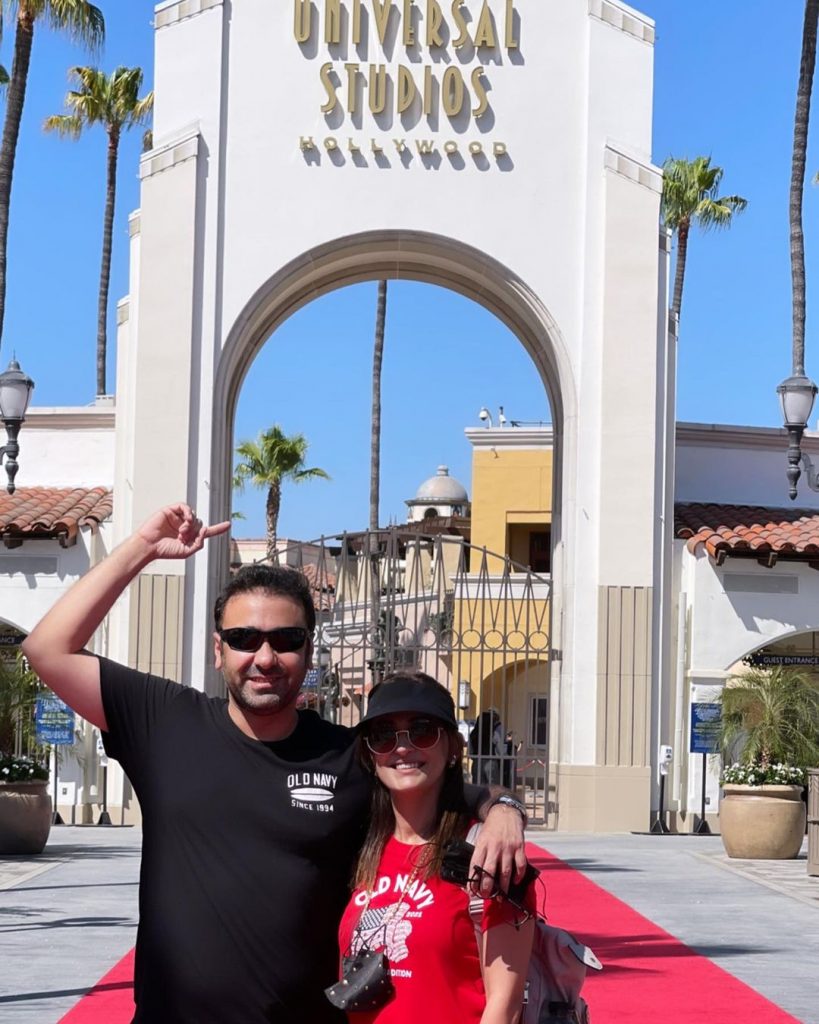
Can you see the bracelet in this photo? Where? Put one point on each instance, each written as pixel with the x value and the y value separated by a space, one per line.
pixel 509 801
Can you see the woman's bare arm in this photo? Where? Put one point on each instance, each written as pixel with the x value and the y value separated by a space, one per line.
pixel 504 961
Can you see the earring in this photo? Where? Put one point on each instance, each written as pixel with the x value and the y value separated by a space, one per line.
pixel 453 761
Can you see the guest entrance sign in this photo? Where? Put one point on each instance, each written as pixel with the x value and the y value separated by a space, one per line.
pixel 706 717
pixel 54 725
pixel 53 722
pixel 433 58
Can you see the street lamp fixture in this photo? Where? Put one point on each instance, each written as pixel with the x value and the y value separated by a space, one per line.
pixel 15 392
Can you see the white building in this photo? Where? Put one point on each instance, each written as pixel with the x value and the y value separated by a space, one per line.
pixel 500 149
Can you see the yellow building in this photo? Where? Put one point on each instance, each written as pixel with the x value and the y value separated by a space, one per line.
pixel 501 612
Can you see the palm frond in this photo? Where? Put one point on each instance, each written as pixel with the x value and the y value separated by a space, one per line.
pixel 81 21
pixel 690 194
pixel 65 125
pixel 773 714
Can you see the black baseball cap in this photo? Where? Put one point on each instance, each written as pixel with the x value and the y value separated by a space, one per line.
pixel 403 694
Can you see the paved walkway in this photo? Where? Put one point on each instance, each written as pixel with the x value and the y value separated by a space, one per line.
pixel 758 920
pixel 68 916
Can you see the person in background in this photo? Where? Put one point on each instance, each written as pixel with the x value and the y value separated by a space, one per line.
pixel 409 740
pixel 486 748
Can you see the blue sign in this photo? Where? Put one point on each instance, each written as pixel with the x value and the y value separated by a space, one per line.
pixel 53 722
pixel 706 719
pixel 312 679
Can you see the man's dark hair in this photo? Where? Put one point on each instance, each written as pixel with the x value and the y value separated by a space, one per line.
pixel 278 580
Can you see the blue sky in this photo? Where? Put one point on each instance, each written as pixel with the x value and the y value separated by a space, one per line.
pixel 725 80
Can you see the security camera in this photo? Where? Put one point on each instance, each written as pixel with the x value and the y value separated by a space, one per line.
pixel 485 415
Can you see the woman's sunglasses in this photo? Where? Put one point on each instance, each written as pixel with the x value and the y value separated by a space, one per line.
pixel 282 640
pixel 422 734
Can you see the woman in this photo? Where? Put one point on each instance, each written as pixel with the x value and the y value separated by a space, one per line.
pixel 400 904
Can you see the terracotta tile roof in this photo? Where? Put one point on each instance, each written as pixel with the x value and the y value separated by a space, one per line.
pixel 322 586
pixel 44 513
pixel 749 531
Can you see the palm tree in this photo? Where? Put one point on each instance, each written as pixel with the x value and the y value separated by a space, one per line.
pixel 114 102
pixel 773 715
pixel 800 146
pixel 267 463
pixel 84 23
pixel 375 423
pixel 19 689
pixel 690 196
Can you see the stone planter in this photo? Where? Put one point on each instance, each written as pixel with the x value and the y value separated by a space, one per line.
pixel 762 822
pixel 25 817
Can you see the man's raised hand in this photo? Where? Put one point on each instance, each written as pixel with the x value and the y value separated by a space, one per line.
pixel 176 532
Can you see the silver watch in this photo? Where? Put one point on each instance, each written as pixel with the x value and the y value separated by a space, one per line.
pixel 510 801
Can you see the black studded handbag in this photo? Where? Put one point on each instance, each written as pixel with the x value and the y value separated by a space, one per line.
pixel 365 982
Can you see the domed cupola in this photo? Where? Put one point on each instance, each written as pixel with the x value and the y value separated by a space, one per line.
pixel 441 496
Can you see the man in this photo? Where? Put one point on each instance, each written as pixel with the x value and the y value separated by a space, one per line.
pixel 252 811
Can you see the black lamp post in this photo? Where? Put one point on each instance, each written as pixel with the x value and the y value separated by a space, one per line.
pixel 797 395
pixel 15 392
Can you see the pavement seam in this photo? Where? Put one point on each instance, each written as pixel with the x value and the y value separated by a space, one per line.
pixel 753 877
pixel 10 882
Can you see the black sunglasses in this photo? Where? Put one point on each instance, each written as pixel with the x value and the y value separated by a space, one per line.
pixel 422 734
pixel 282 640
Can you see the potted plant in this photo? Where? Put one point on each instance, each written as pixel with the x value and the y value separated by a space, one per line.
pixel 25 806
pixel 770 717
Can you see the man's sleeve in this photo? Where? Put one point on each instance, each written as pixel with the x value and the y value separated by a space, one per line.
pixel 133 702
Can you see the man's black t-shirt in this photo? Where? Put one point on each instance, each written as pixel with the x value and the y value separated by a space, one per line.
pixel 247 855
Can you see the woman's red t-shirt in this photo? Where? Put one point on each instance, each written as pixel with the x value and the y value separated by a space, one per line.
pixel 429 940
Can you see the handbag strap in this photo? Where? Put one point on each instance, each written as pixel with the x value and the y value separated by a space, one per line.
pixel 476 903
pixel 392 909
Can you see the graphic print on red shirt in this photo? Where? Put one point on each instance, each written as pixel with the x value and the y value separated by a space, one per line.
pixel 424 928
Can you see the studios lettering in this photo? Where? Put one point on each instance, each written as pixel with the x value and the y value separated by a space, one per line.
pixel 424 63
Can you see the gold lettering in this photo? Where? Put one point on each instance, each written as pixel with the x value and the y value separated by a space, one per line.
pixel 511 42
pixel 353 146
pixel 327 82
pixel 378 88
pixel 376 148
pixel 381 10
pixel 352 84
pixel 435 19
pixel 409 30
pixel 425 146
pixel 475 148
pixel 480 90
pixel 499 149
pixel 485 32
pixel 407 90
pixel 400 145
pixel 450 148
pixel 302 20
pixel 332 21
pixel 307 142
pixel 330 144
pixel 356 22
pixel 452 90
pixel 429 85
pixel 460 21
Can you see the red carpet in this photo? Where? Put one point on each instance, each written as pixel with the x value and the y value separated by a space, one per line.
pixel 648 975
pixel 111 1000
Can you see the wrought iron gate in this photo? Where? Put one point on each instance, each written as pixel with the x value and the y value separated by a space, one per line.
pixel 474 620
